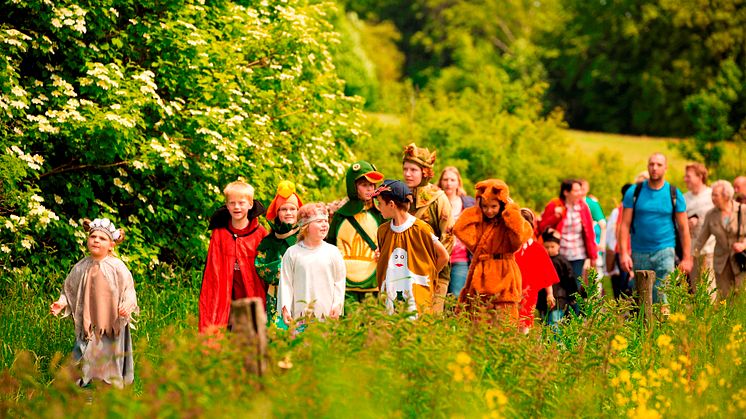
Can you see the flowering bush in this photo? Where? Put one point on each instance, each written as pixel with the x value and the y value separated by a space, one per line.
pixel 143 112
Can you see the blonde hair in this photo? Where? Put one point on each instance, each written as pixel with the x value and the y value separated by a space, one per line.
pixel 460 190
pixel 239 188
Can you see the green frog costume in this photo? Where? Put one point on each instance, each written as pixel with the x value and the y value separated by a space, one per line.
pixel 353 230
pixel 273 246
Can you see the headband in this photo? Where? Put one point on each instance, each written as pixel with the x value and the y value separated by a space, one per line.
pixel 105 226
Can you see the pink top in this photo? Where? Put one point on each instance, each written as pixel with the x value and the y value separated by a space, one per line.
pixel 459 253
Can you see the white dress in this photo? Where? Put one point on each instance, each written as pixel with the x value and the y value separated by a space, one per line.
pixel 312 280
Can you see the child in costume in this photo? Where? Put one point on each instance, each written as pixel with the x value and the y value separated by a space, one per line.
pixel 567 286
pixel 537 274
pixel 431 205
pixel 282 214
pixel 312 275
pixel 493 230
pixel 410 254
pixel 100 295
pixel 229 272
pixel 353 230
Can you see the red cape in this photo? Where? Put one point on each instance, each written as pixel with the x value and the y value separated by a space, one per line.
pixel 537 272
pixel 217 280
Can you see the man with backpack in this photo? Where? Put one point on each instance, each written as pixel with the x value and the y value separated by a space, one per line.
pixel 654 216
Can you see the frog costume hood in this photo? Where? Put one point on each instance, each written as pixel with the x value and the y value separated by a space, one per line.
pixel 356 171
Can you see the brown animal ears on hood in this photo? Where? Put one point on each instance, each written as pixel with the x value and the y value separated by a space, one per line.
pixel 492 189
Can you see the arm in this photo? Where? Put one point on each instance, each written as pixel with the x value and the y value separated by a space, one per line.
pixel 625 259
pixel 703 235
pixel 686 242
pixel 550 217
pixel 441 255
pixel 128 298
pixel 285 291
pixel 340 279
pixel 551 302
pixel 445 222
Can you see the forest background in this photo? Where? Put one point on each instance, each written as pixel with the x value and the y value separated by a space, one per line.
pixel 141 111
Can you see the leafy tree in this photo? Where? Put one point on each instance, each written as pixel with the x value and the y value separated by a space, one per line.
pixel 143 111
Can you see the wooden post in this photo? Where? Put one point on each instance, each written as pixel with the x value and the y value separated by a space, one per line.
pixel 249 325
pixel 644 282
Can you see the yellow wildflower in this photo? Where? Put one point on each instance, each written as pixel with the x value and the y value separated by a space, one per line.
pixel 619 343
pixel 664 342
pixel 462 358
pixel 677 318
pixel 495 398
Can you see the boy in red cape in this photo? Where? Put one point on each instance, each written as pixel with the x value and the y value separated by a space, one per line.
pixel 537 272
pixel 229 272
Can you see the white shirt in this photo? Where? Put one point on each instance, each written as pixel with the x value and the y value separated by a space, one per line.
pixel 700 204
pixel 312 277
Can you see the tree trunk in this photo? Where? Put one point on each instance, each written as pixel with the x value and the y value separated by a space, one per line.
pixel 644 281
pixel 249 325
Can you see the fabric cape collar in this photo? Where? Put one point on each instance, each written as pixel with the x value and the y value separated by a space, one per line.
pixel 222 217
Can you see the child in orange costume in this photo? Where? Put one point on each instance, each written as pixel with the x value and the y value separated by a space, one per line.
pixel 493 230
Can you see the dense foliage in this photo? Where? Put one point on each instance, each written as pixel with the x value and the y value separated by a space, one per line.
pixel 142 112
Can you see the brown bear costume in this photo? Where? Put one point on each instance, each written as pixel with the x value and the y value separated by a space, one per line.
pixel 494 280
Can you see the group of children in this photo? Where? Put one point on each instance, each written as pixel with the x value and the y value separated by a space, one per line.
pixel 390 237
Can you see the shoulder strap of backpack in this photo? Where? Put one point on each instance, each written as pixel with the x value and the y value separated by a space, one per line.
pixel 638 189
pixel 673 204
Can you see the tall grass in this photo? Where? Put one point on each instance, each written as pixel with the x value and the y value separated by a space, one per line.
pixel 369 364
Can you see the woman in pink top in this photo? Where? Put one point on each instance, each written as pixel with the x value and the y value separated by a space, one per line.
pixel 450 182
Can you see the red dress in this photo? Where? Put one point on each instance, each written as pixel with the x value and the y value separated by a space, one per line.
pixel 537 272
pixel 221 282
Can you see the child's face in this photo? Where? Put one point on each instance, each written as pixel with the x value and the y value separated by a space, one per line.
pixel 288 213
pixel 552 248
pixel 490 208
pixel 317 230
pixel 388 209
pixel 238 206
pixel 412 174
pixel 365 189
pixel 99 245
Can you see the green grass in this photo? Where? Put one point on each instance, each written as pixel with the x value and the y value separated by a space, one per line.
pixel 370 364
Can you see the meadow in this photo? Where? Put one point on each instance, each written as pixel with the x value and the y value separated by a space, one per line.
pixel 369 364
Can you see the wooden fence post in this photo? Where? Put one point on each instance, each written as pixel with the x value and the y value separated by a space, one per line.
pixel 644 282
pixel 249 325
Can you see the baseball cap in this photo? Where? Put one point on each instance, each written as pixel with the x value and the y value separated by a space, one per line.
pixel 395 190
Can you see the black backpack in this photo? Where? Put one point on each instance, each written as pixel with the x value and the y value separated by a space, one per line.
pixel 672 189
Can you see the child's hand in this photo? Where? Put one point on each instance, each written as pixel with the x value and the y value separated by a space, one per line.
pixel 123 312
pixel 334 313
pixel 286 316
pixel 56 308
pixel 551 302
pixel 377 254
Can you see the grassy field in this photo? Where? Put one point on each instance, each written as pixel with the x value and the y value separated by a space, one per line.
pixel 633 150
pixel 370 364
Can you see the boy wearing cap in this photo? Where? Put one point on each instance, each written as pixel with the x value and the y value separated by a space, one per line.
pixel 410 254
pixel 431 205
pixel 354 227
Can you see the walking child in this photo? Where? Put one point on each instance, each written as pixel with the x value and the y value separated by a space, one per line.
pixel 564 290
pixel 537 274
pixel 353 230
pixel 282 214
pixel 493 231
pixel 411 255
pixel 229 272
pixel 99 293
pixel 312 276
